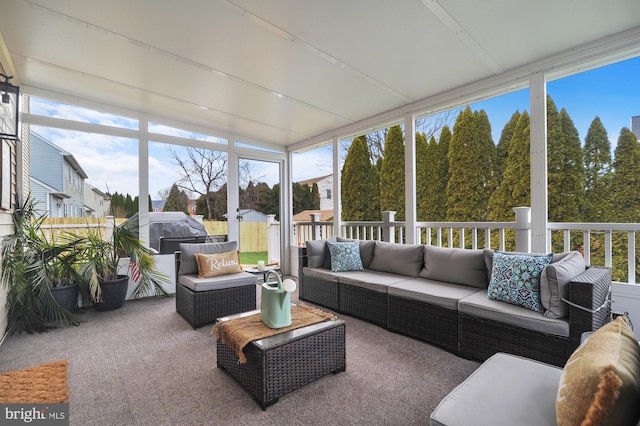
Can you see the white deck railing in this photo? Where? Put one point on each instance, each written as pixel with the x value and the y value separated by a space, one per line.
pixel 602 244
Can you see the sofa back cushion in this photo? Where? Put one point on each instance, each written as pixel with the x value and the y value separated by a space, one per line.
pixel 401 259
pixel 366 250
pixel 600 383
pixel 188 264
pixel 554 283
pixel 455 265
pixel 318 253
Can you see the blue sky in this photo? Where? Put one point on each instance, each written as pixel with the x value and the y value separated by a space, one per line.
pixel 611 92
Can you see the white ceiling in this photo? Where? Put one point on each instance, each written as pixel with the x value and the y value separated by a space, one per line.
pixel 286 71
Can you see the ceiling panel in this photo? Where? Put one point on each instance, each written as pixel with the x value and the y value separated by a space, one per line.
pixel 284 71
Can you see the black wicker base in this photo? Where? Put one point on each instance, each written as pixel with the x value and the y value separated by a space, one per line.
pixel 282 363
pixel 366 304
pixel 319 292
pixel 431 323
pixel 204 307
pixel 481 338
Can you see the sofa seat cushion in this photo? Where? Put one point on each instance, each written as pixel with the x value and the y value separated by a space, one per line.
pixel 372 280
pixel 216 283
pixel 504 390
pixel 432 292
pixel 478 305
pixel 321 273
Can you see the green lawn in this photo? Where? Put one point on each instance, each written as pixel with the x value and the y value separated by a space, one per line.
pixel 252 258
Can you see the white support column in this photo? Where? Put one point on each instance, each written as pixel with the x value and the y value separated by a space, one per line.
pixel 410 177
pixel 143 180
pixel 233 190
pixel 540 240
pixel 337 195
pixel 289 253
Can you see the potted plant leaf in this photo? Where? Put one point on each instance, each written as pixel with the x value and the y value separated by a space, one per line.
pixel 34 272
pixel 107 285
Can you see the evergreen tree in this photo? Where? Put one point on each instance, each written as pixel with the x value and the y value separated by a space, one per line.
pixel 487 160
pixel 502 150
pixel 571 187
pixel 565 170
pixel 515 188
pixel 355 182
pixel 315 197
pixel 177 201
pixel 597 162
pixel 392 188
pixel 626 178
pixel 424 164
pixel 467 186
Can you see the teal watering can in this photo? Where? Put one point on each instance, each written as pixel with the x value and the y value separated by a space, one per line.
pixel 275 304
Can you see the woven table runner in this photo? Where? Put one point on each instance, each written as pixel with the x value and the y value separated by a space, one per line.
pixel 237 333
pixel 42 384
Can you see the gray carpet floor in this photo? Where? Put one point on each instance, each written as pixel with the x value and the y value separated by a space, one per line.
pixel 143 364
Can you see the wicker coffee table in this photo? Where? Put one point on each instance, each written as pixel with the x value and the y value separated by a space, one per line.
pixel 279 364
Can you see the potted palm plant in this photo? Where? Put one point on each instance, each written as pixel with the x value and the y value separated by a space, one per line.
pixel 38 273
pixel 103 271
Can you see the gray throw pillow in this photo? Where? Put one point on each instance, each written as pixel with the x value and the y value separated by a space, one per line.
pixel 318 255
pixel 188 264
pixel 395 258
pixel 366 250
pixel 554 283
pixel 455 265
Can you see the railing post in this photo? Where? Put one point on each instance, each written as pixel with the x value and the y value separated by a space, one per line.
pixel 388 230
pixel 273 239
pixel 316 232
pixel 523 229
pixel 108 228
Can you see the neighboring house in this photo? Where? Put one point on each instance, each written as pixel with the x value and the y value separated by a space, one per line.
pixel 157 205
pixel 635 126
pixel 57 180
pixel 250 215
pixel 94 201
pixel 325 189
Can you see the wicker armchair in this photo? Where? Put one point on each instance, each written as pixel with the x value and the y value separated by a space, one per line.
pixel 202 300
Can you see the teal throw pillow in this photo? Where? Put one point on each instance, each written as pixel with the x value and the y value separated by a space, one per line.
pixel 345 257
pixel 515 279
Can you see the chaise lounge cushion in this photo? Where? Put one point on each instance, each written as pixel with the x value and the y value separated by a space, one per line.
pixel 401 259
pixel 216 283
pixel 454 265
pixel 554 284
pixel 504 390
pixel 600 383
pixel 188 264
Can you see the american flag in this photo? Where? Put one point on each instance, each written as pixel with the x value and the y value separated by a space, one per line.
pixel 134 272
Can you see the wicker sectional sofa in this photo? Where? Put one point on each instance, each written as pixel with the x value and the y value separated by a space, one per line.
pixel 439 295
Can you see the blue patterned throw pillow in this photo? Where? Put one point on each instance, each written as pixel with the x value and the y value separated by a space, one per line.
pixel 345 257
pixel 515 279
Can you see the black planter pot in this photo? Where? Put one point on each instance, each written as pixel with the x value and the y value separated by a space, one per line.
pixel 66 296
pixel 114 293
